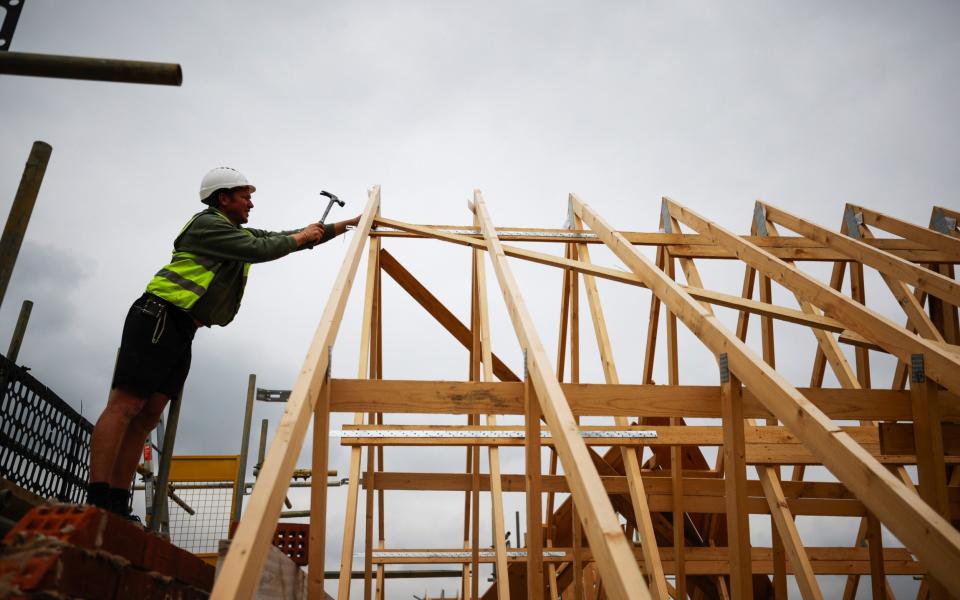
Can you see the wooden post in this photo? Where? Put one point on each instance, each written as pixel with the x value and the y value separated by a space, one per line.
pixel 735 482
pixel 534 499
pixel 363 372
pixel 875 545
pixel 928 439
pixel 244 449
pixel 21 209
pixel 318 493
pixel 19 331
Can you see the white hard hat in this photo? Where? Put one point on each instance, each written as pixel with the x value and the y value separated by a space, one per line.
pixel 220 178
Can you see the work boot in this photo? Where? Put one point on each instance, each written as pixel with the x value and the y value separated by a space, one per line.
pixel 98 494
pixel 118 501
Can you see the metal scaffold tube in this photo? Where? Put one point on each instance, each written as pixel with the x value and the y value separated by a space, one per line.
pixel 93 69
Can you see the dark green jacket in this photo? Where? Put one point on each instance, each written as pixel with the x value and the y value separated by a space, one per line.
pixel 211 245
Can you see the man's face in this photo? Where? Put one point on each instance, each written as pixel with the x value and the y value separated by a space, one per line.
pixel 236 204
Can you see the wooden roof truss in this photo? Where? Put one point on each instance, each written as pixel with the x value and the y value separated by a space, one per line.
pixel 684 517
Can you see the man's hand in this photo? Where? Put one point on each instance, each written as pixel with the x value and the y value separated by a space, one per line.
pixel 311 234
pixel 353 222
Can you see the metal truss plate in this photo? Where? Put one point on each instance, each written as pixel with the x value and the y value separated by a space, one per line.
pixel 464 433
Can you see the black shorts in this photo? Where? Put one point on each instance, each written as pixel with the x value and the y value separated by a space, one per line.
pixel 155 348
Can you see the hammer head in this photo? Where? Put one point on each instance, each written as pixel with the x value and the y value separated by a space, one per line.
pixel 333 198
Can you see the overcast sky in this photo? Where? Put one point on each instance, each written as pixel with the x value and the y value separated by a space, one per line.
pixel 805 105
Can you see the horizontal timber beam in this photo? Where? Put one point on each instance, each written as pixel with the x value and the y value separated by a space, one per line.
pixel 506 398
pixel 699 560
pixel 681 245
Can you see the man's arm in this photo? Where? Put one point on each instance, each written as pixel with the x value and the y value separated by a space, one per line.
pixel 217 238
pixel 330 231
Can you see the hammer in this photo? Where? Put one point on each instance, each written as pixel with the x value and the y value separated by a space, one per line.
pixel 333 198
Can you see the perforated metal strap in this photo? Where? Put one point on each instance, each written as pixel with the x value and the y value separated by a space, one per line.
pixel 455 554
pixel 464 433
pixel 502 234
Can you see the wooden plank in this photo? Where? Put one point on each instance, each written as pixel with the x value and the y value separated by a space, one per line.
pixel 908 301
pixel 900 438
pixel 363 373
pixel 928 237
pixel 630 456
pixel 920 528
pixel 585 267
pixel 619 570
pixel 437 310
pixel 253 537
pixel 889 264
pixel 678 517
pixel 318 492
pixel 941 364
pixel 680 245
pixel 450 397
pixel 493 457
pixel 928 440
pixel 534 541
pixel 715 560
pixel 875 545
pixel 735 480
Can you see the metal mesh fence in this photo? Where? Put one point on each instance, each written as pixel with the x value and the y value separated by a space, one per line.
pixel 202 531
pixel 44 443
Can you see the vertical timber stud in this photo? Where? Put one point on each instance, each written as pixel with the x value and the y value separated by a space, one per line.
pixel 318 488
pixel 242 566
pixel 875 546
pixel 363 372
pixel 534 499
pixel 493 454
pixel 631 456
pixel 611 549
pixel 735 482
pixel 928 439
pixel 20 211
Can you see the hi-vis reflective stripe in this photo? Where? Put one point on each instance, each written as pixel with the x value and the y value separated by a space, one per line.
pixel 183 282
pixel 186 278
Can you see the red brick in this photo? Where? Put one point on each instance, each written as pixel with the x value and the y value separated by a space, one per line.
pixel 137 584
pixel 64 569
pixel 294 540
pixel 159 555
pixel 87 575
pixel 194 571
pixel 31 573
pixel 77 525
pixel 124 538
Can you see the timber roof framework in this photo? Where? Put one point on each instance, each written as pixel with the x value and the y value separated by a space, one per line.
pixel 686 517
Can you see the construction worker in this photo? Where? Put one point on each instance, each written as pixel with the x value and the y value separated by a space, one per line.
pixel 200 287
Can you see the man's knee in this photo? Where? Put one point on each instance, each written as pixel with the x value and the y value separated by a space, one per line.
pixel 125 403
pixel 152 411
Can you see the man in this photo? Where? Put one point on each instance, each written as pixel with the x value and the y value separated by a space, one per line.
pixel 200 287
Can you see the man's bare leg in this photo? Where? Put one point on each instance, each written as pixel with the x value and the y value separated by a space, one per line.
pixel 110 431
pixel 128 456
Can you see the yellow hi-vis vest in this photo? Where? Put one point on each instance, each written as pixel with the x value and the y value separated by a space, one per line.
pixel 187 276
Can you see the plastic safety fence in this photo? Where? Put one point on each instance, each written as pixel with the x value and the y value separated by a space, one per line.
pixel 44 443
